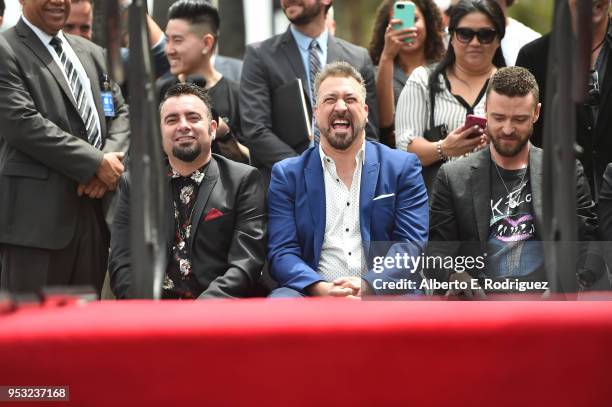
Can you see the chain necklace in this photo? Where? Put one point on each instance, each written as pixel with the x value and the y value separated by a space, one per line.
pixel 512 202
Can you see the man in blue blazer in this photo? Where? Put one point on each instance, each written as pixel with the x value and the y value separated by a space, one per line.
pixel 338 203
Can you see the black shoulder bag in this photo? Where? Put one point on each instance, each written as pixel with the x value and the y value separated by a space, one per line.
pixel 433 134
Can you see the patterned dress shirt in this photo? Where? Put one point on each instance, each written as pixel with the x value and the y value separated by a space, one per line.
pixel 179 281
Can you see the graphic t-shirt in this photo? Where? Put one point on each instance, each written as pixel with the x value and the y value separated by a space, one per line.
pixel 514 251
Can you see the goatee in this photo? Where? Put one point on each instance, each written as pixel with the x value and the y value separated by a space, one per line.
pixel 342 141
pixel 187 154
pixel 511 151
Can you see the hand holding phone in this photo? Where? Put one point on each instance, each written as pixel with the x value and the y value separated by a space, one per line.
pixel 403 11
pixel 472 120
pixel 463 140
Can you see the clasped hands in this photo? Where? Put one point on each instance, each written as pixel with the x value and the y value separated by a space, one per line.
pixel 349 287
pixel 107 177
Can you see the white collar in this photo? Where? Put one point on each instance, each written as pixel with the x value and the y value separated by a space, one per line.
pixel 359 157
pixel 43 36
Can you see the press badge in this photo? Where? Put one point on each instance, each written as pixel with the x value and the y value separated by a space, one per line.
pixel 108 103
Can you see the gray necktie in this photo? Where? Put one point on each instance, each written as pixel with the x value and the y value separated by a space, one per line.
pixel 315 67
pixel 85 108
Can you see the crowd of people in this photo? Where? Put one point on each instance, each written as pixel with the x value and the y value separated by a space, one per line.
pixel 427 145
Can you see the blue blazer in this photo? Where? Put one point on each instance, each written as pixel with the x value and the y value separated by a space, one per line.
pixel 392 203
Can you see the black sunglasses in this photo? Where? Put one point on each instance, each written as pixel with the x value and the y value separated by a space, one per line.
pixel 484 35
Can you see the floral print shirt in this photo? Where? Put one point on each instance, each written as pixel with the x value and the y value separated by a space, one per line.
pixel 179 281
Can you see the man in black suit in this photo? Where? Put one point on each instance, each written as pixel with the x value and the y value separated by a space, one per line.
pixel 593 125
pixel 491 201
pixel 217 229
pixel 282 58
pixel 60 152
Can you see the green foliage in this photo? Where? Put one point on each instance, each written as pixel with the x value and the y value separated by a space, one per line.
pixel 536 14
pixel 355 19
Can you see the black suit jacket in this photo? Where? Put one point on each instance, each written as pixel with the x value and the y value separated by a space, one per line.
pixel 44 153
pixel 229 67
pixel 534 57
pixel 275 62
pixel 228 252
pixel 604 216
pixel 460 209
pixel 604 209
pixel 595 140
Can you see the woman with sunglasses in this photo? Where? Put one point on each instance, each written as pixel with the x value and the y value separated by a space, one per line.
pixel 454 88
pixel 396 59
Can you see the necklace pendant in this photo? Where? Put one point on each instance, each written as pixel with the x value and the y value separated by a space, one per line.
pixel 513 203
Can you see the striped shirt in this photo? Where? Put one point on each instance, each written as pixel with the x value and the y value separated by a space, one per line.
pixel 412 113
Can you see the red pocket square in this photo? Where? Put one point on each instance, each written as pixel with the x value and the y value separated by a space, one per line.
pixel 214 213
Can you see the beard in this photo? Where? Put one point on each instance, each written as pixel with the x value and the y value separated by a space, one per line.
pixel 309 13
pixel 342 140
pixel 187 154
pixel 512 150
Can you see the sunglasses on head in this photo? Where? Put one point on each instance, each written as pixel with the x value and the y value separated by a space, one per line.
pixel 484 35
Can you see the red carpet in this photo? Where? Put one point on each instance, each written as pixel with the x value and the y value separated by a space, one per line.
pixel 315 352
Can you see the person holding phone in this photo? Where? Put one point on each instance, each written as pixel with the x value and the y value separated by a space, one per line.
pixel 492 201
pixel 397 51
pixel 432 109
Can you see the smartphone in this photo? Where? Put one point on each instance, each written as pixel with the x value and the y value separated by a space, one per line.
pixel 404 11
pixel 472 120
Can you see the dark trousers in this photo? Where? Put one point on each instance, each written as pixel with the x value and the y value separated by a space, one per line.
pixel 82 263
